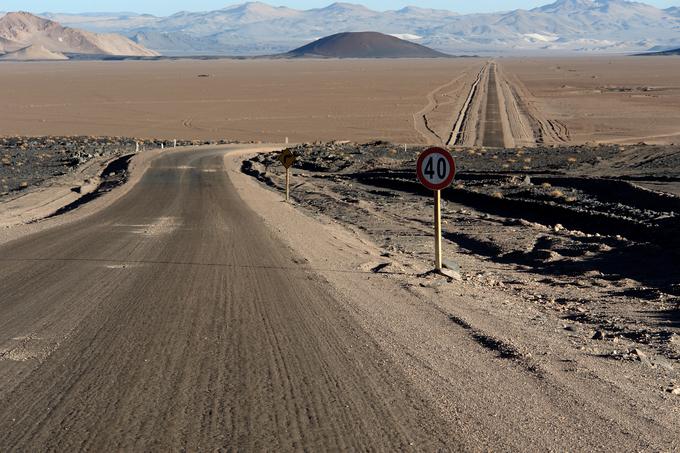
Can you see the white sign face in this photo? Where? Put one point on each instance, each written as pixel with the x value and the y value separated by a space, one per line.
pixel 436 168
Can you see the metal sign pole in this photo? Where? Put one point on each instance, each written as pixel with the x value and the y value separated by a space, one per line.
pixel 287 184
pixel 437 230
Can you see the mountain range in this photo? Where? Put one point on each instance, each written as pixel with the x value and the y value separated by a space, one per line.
pixel 24 36
pixel 259 28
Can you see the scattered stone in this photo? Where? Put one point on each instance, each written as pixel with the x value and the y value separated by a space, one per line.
pixel 451 265
pixel 651 361
pixel 433 283
pixel 599 335
pixel 452 274
pixel 674 339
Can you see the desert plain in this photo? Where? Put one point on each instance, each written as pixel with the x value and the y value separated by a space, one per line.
pixel 599 99
pixel 179 302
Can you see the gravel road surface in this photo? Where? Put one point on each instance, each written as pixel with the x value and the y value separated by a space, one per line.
pixel 493 128
pixel 174 320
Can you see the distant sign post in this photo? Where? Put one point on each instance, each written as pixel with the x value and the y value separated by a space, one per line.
pixel 436 169
pixel 287 159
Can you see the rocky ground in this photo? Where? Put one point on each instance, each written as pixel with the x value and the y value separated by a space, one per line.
pixel 586 234
pixel 27 162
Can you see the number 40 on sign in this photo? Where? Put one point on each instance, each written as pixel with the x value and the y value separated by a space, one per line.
pixel 436 169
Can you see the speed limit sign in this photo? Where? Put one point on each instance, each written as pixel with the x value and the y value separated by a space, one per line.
pixel 436 168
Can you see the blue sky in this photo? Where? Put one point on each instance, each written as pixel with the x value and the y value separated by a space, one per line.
pixel 165 7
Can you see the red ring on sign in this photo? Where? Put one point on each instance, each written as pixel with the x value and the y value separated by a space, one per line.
pixel 452 165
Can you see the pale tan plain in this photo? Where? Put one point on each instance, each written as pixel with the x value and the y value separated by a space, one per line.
pixel 241 100
pixel 590 96
pixel 362 100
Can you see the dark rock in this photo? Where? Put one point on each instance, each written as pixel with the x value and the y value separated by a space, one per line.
pixel 599 335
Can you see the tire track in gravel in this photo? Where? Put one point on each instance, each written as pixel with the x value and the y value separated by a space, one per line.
pixel 420 119
pixel 457 130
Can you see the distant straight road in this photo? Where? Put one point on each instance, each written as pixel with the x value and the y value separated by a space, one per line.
pixel 174 320
pixel 493 127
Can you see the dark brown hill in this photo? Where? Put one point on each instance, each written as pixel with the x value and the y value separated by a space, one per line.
pixel 363 45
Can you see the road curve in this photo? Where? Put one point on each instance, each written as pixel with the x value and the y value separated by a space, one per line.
pixel 174 320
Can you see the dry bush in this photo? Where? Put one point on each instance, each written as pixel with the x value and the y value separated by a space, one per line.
pixel 572 160
pixel 557 193
pixel 546 185
pixel 497 194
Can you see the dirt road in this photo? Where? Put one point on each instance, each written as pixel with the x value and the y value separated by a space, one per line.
pixel 175 320
pixel 493 127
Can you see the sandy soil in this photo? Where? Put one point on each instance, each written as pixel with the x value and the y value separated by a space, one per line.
pixel 547 101
pixel 238 100
pixel 617 99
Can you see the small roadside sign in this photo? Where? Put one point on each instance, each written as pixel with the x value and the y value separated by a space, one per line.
pixel 287 159
pixel 436 169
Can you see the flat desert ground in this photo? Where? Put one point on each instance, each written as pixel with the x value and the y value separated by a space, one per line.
pixel 619 99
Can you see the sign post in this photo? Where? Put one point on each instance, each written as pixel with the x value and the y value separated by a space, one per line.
pixel 436 169
pixel 287 159
pixel 438 229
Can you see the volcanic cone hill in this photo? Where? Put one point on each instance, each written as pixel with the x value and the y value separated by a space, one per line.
pixel 25 36
pixel 363 45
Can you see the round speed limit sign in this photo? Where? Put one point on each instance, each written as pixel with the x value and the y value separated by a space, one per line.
pixel 436 168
